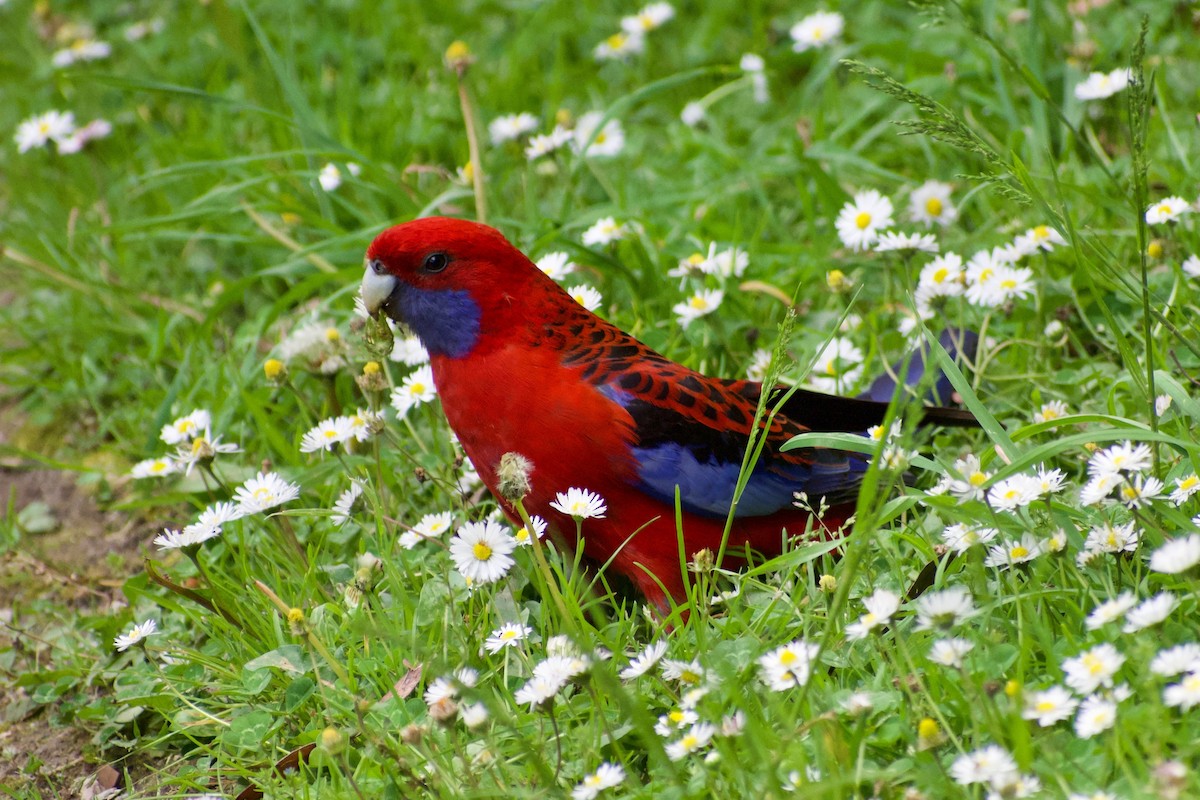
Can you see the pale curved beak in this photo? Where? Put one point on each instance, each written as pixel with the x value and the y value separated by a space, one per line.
pixel 376 288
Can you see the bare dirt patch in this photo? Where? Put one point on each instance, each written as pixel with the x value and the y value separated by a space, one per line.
pixel 75 564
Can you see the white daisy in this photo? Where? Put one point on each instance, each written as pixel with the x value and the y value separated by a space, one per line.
pixel 649 18
pixel 509 127
pixel 1185 487
pixel 1110 610
pixel 696 738
pixel 52 126
pixel 345 504
pixel 1110 538
pixel 944 609
pixel 860 221
pixel 644 661
pixel 912 242
pixel 1150 612
pixel 606 776
pixel 545 143
pixel 327 434
pixel 587 296
pixel 930 203
pixel 510 634
pixel 1175 660
pixel 135 634
pixel 481 551
pixel 700 304
pixel 580 504
pixel 619 46
pixel 1054 409
pixel 416 389
pixel 409 350
pixel 154 468
pixel 1097 714
pixel 186 428
pixel 430 526
pixel 1168 209
pixel 1014 552
pixel 950 652
pixel 557 265
pixel 1099 85
pixel 788 666
pixel 521 535
pixel 1093 668
pixel 1049 706
pixel 838 366
pixel 1185 694
pixel 1041 237
pixel 604 231
pixel 881 606
pixel 79 51
pixel 593 140
pixel 264 491
pixel 1124 457
pixel 1191 266
pixel 982 766
pixel 816 30
pixel 1177 555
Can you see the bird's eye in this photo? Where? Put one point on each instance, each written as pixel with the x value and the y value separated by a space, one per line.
pixel 377 267
pixel 436 262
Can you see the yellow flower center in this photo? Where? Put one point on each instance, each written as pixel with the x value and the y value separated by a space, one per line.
pixel 1019 551
pixel 418 388
pixel 616 41
pixel 198 444
pixel 1154 249
pixel 1041 232
pixel 332 335
pixel 695 259
pixel 818 34
pixel 1094 665
pixel 507 635
pixel 330 434
pixel 987 274
pixel 676 717
pixel 593 779
pixel 689 742
pixel 697 302
pixel 647 22
pixel 927 728
pixel 941 275
pixel 787 658
pixel 977 478
pixel 158 466
pixel 481 551
pixel 862 220
pixel 262 493
pixel 1045 705
pixel 687 676
pixel 1164 208
pixel 522 534
pixel 933 207
pixel 1189 482
pixel 1049 412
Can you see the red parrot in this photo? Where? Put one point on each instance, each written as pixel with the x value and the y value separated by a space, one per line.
pixel 521 367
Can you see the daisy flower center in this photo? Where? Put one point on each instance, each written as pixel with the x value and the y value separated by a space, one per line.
pixel 933 207
pixel 418 388
pixel 1164 209
pixel 699 303
pixel 262 493
pixel 862 220
pixel 332 335
pixel 788 657
pixel 1019 551
pixel 616 41
pixel 1094 665
pixel 158 466
pixel 481 551
pixel 977 478
pixel 1045 705
pixel 695 259
pixel 508 635
pixel 941 275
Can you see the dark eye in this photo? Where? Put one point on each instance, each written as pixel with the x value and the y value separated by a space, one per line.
pixel 377 267
pixel 436 262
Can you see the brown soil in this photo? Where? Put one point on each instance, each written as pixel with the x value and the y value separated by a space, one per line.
pixel 79 566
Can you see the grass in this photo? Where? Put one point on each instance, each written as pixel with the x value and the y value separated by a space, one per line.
pixel 155 272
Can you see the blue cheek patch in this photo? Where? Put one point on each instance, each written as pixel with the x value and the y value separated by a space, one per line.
pixel 445 320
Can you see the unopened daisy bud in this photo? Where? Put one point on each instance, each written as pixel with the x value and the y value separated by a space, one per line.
pixel 296 623
pixel 332 335
pixel 458 56
pixel 827 584
pixel 332 741
pixel 443 710
pixel 513 476
pixel 372 378
pixel 929 734
pixel 1154 249
pixel 1170 779
pixel 838 281
pixel 564 117
pixel 378 337
pixel 412 734
pixel 1012 688
pixel 703 561
pixel 275 370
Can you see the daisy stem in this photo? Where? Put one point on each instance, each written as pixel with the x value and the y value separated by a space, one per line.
pixel 468 112
pixel 547 578
pixel 289 537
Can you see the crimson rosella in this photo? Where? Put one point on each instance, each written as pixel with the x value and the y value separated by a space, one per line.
pixel 520 367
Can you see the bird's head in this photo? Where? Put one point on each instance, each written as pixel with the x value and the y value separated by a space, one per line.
pixel 449 280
